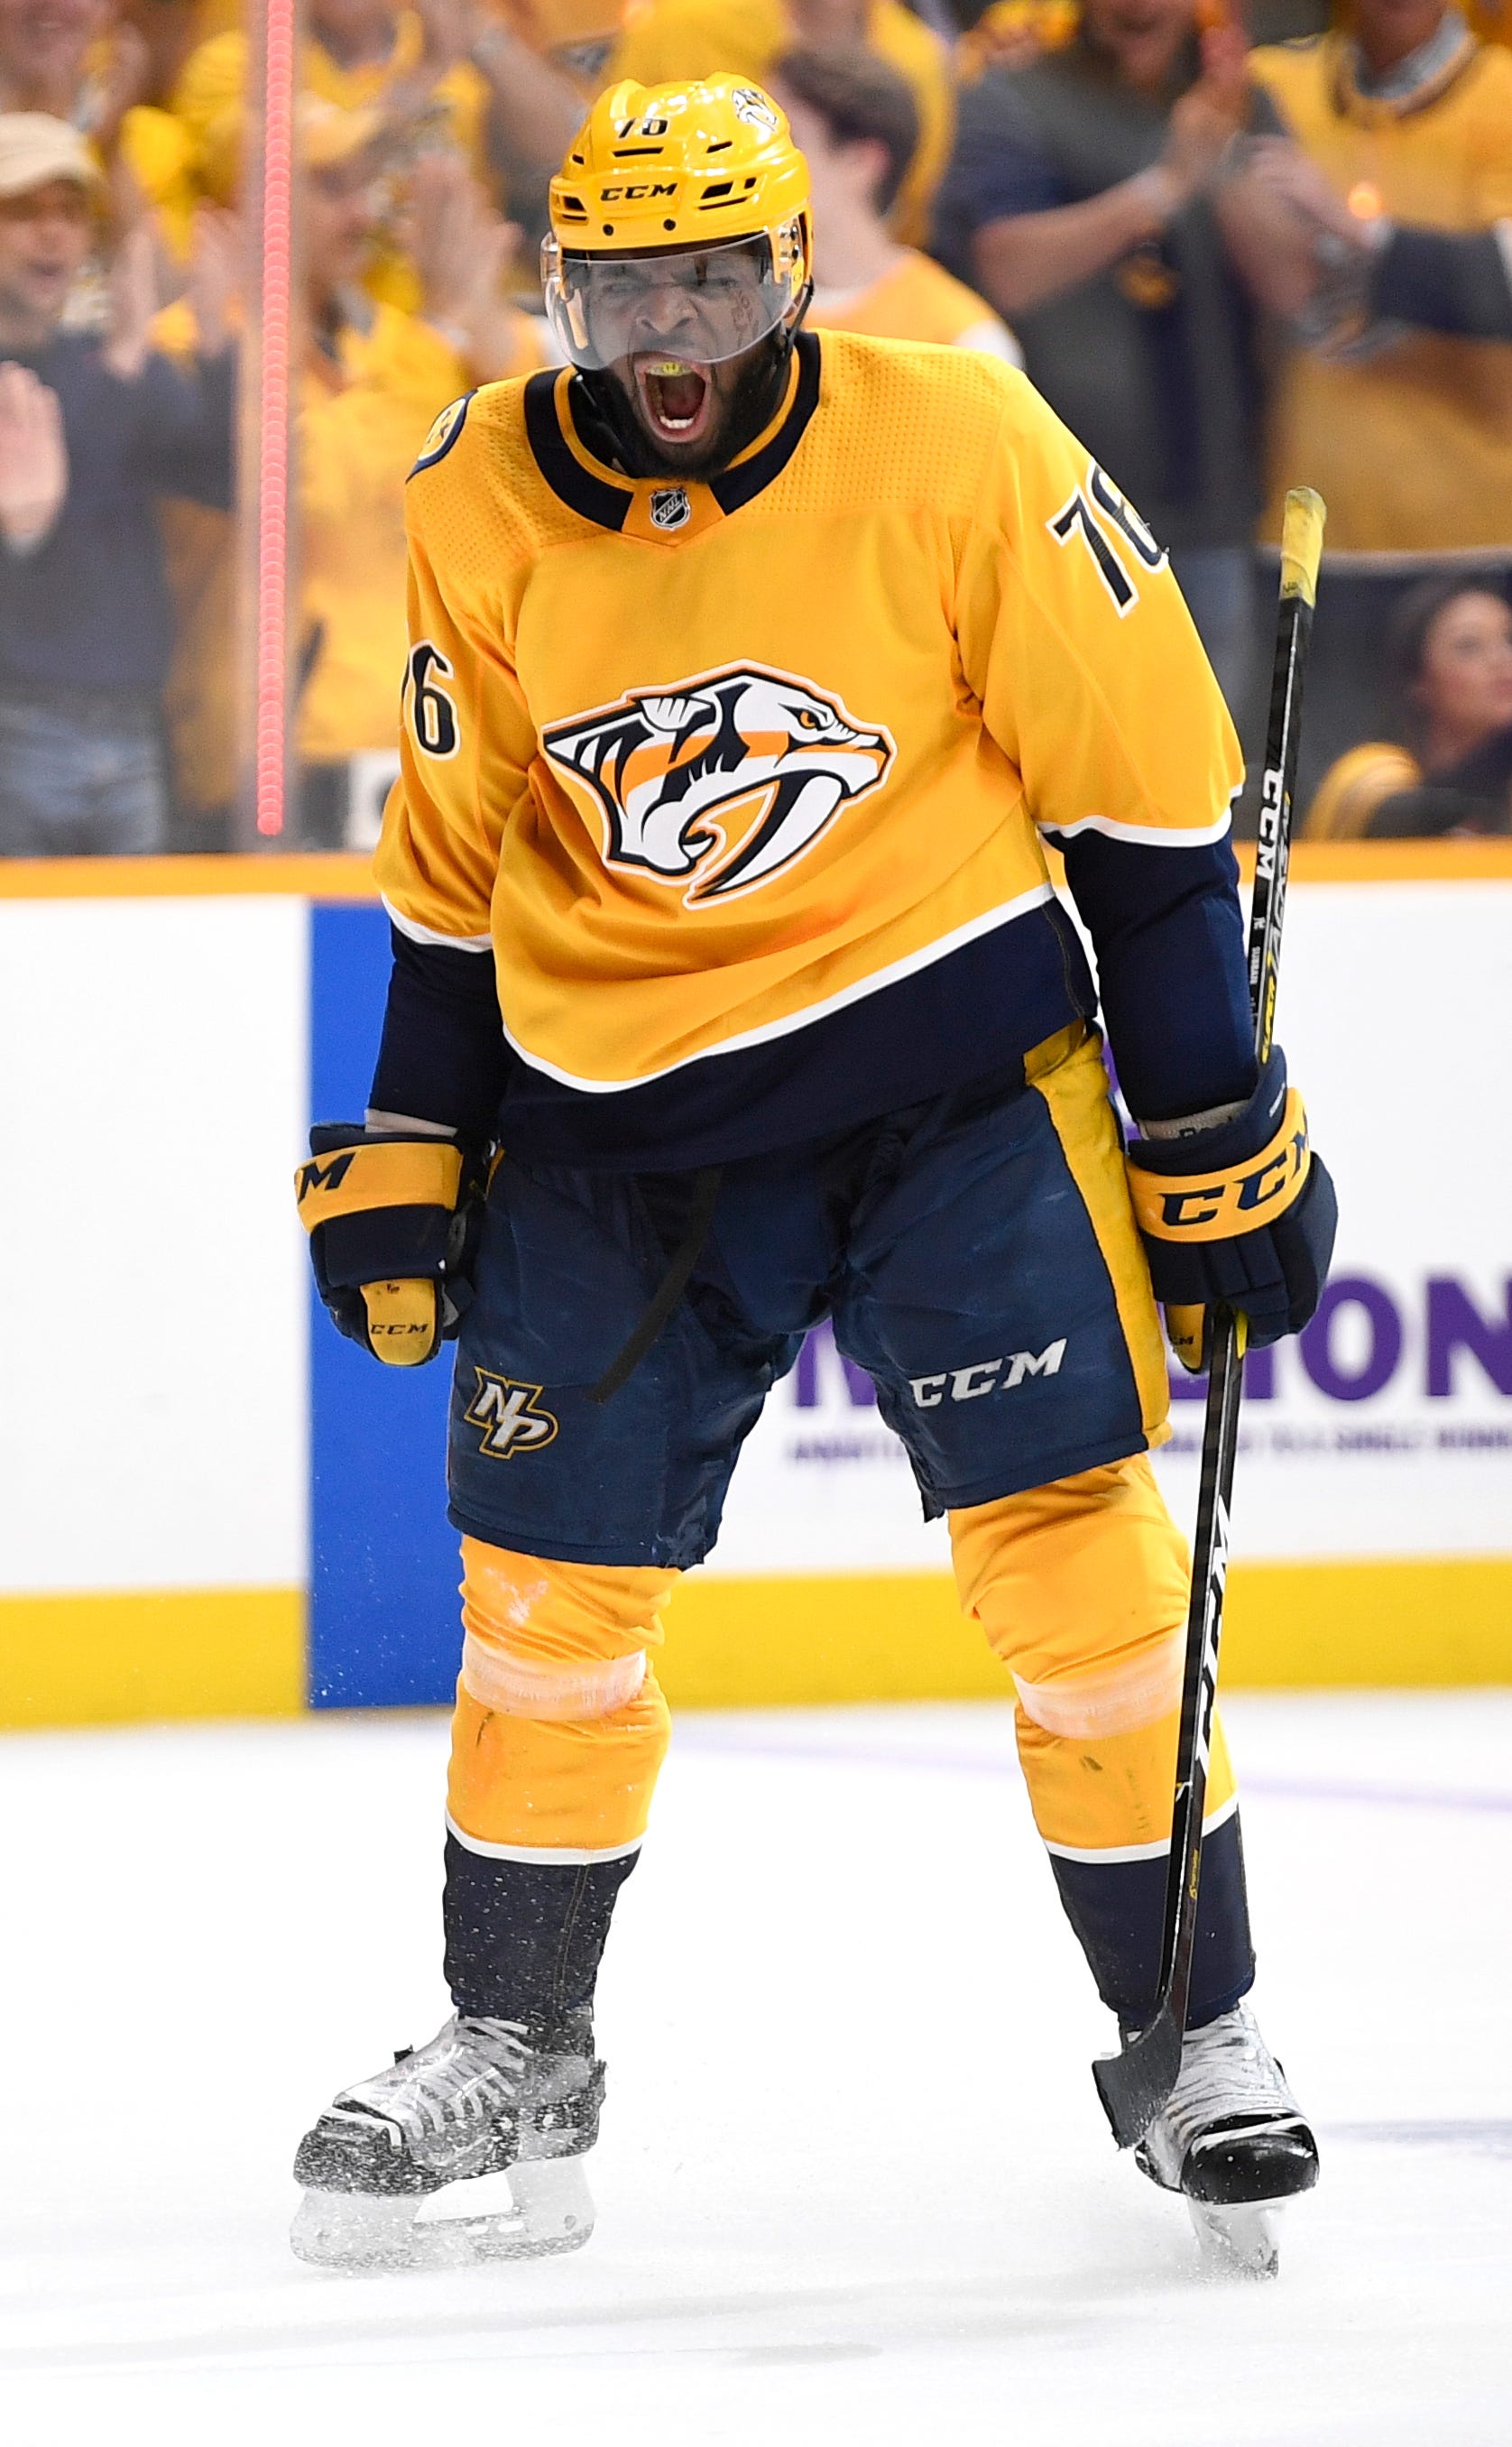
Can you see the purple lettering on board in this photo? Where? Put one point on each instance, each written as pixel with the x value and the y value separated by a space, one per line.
pixel 860 1391
pixel 1455 1323
pixel 1381 1359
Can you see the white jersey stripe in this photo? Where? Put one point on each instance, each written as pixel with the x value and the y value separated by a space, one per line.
pixel 1002 916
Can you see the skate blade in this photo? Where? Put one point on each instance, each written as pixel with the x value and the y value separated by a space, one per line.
pixel 362 2234
pixel 1235 2241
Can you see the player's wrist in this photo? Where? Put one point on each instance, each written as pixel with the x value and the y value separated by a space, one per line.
pixel 1194 1125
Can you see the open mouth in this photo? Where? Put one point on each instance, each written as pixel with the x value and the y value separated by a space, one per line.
pixel 676 397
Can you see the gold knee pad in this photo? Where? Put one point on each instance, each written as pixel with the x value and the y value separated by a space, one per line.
pixel 560 1726
pixel 1081 1589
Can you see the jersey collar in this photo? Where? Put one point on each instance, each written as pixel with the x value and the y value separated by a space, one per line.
pixel 1423 78
pixel 658 509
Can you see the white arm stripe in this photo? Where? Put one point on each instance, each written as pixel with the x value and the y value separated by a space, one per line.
pixel 418 934
pixel 1146 836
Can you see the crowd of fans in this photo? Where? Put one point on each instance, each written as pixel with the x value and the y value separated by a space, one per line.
pixel 1235 251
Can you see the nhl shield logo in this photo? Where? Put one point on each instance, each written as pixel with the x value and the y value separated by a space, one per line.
pixel 717 783
pixel 671 509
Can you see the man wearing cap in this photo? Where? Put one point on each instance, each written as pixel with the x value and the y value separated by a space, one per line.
pixel 91 432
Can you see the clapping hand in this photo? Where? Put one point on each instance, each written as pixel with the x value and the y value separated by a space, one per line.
pixel 461 251
pixel 1212 112
pixel 215 267
pixel 132 285
pixel 33 459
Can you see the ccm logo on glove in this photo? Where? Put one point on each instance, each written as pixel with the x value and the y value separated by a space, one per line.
pixel 1243 1214
pixel 390 1222
pixel 1233 1201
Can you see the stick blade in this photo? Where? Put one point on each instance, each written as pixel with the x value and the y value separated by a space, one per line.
pixel 1135 2085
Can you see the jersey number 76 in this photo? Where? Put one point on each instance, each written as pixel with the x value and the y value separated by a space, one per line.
pixel 1077 519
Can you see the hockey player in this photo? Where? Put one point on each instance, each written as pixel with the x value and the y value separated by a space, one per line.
pixel 748 671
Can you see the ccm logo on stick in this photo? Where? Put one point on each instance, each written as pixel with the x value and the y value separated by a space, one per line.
pixel 985 1377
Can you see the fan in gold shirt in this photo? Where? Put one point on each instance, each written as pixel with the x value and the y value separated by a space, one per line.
pixel 1405 431
pixel 855 121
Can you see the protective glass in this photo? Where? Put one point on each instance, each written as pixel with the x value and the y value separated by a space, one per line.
pixel 702 303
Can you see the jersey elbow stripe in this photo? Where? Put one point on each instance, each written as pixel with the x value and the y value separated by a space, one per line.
pixel 1143 836
pixel 418 934
pixel 789 1025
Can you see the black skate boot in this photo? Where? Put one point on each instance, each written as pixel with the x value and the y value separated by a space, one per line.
pixel 480 2098
pixel 1232 2141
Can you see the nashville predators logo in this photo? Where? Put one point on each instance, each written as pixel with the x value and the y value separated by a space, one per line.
pixel 719 782
pixel 505 1410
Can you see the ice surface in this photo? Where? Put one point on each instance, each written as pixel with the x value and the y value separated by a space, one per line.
pixel 854 2180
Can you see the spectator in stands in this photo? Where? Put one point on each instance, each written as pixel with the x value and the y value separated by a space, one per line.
pixel 853 118
pixel 372 378
pixel 375 378
pixel 1401 412
pixel 92 432
pixel 665 39
pixel 1011 33
pixel 170 30
pixel 1102 200
pixel 1450 657
pixel 577 36
pixel 448 72
pixel 82 61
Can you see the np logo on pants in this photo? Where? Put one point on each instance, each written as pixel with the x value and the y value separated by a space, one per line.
pixel 505 1407
pixel 985 1377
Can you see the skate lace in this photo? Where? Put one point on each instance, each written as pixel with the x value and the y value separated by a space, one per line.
pixel 459 2080
pixel 1228 2075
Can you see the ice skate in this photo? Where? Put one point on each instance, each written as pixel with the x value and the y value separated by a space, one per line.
pixel 1232 2141
pixel 482 2097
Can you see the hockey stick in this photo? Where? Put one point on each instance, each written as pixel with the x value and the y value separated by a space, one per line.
pixel 1135 2085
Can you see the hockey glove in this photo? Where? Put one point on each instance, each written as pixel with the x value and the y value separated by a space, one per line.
pixel 1243 1214
pixel 392 1222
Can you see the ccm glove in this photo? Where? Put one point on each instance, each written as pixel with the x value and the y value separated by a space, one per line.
pixel 392 1225
pixel 1243 1214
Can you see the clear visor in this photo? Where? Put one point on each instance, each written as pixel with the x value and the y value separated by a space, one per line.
pixel 700 304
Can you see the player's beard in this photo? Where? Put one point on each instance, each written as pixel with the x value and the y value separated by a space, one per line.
pixel 743 395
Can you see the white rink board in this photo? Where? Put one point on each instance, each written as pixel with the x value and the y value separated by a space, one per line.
pixel 153 1432
pixel 153 1429
pixel 1396 1013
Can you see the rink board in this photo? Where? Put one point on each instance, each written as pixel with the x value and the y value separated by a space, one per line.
pixel 214 1506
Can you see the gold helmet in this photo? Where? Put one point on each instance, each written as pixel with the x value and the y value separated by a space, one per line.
pixel 694 192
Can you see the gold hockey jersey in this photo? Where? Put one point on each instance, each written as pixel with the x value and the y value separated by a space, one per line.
pixel 707 764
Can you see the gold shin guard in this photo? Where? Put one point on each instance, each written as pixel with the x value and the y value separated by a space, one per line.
pixel 1082 1590
pixel 560 1726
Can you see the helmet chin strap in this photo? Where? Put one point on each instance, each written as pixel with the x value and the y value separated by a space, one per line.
pixel 614 432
